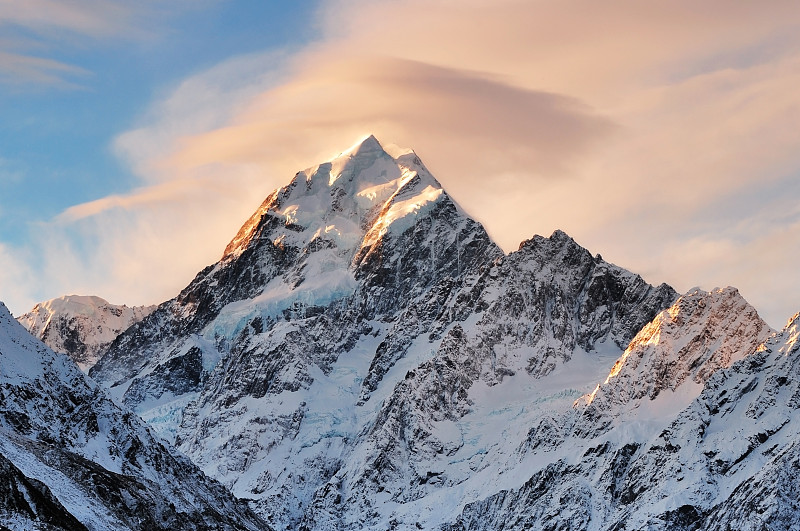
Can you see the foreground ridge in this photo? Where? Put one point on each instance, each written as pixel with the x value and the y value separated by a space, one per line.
pixel 71 459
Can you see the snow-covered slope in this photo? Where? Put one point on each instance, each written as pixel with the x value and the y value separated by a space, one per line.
pixel 691 430
pixel 81 326
pixel 665 366
pixel 364 354
pixel 71 459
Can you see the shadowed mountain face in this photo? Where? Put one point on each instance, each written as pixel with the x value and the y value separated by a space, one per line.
pixel 363 355
pixel 71 459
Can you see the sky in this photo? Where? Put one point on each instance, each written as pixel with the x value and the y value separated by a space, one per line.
pixel 136 138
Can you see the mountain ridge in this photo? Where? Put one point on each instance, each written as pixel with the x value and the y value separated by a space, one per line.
pixel 298 346
pixel 364 356
pixel 75 460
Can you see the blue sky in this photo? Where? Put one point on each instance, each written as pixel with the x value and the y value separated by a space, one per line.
pixel 56 135
pixel 137 137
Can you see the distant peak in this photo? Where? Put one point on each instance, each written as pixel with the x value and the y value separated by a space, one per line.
pixel 560 235
pixel 88 300
pixel 558 240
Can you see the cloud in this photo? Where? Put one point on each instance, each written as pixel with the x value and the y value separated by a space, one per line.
pixel 402 100
pixel 761 266
pixel 95 18
pixel 201 103
pixel 140 248
pixel 17 281
pixel 32 29
pixel 36 31
pixel 19 69
pixel 656 133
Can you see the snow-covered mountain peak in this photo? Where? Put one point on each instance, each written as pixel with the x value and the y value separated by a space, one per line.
pixel 81 325
pixel 691 332
pixel 354 238
pixel 338 201
pixel 792 333
pixel 365 163
pixel 674 355
pixel 72 304
pixel 355 348
pixel 368 144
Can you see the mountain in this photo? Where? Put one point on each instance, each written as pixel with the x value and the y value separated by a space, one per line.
pixel 671 358
pixel 363 355
pixel 690 430
pixel 81 326
pixel 526 335
pixel 321 251
pixel 71 459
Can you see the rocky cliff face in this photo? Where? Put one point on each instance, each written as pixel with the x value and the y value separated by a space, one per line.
pixel 364 355
pixel 691 430
pixel 71 459
pixel 81 326
pixel 547 313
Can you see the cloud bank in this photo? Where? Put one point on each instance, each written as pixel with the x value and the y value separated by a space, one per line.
pixel 661 134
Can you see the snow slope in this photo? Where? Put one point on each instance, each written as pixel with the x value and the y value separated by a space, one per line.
pixel 691 430
pixel 73 460
pixel 665 366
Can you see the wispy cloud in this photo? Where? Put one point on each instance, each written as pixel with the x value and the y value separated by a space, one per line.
pixel 641 128
pixel 36 31
pixel 20 69
pixel 204 102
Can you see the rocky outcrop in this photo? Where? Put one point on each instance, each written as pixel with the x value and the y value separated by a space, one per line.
pixel 675 354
